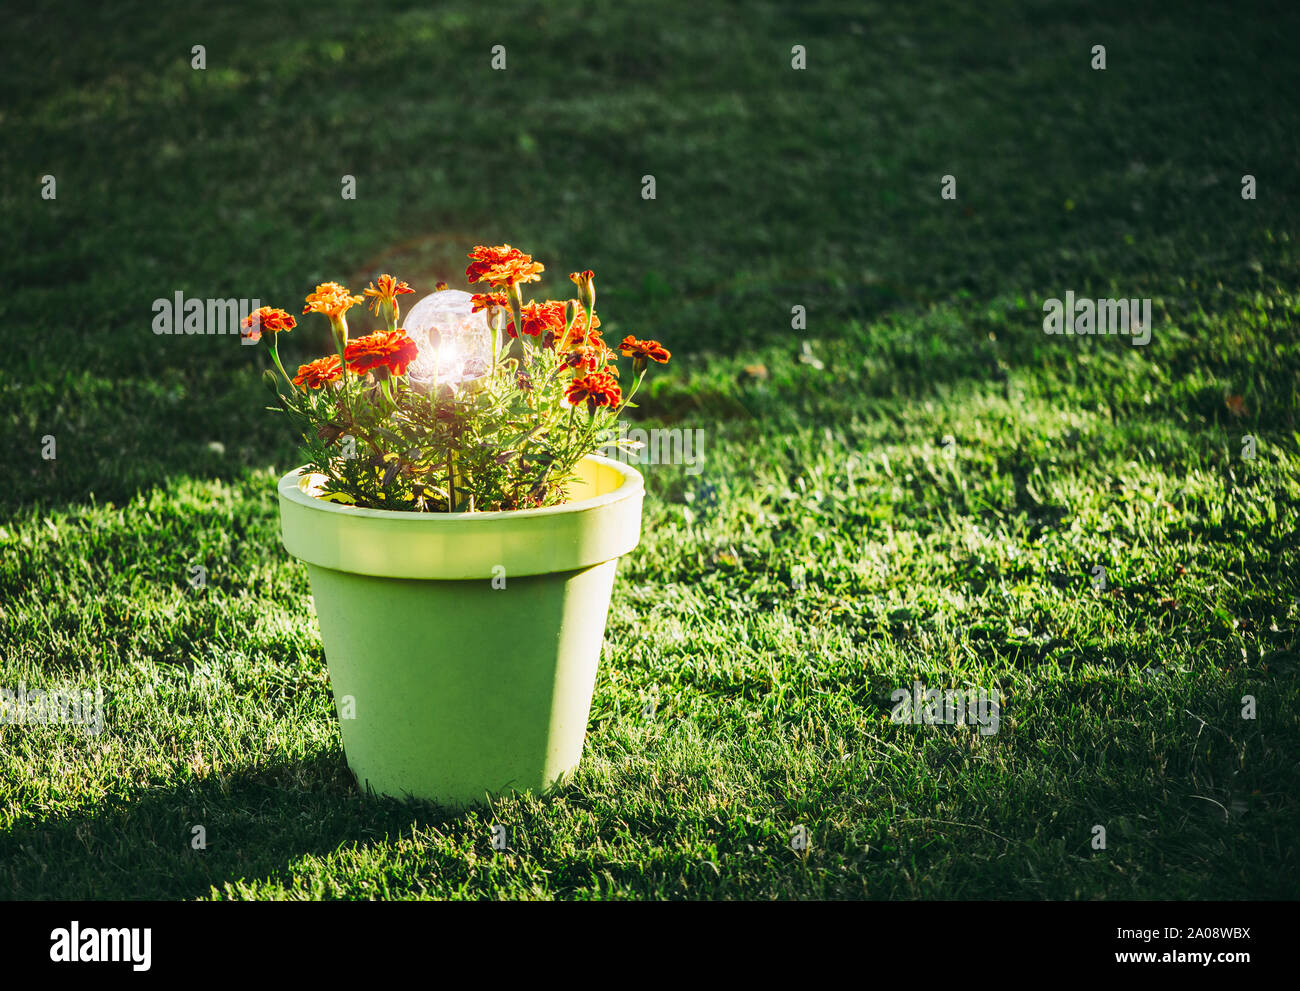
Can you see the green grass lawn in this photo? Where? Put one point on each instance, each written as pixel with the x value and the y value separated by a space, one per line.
pixel 925 501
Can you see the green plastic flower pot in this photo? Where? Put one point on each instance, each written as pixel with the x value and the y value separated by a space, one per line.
pixel 462 647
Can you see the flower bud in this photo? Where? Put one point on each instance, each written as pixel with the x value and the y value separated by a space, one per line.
pixel 585 281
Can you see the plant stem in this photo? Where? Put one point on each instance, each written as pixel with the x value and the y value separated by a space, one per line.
pixel 275 356
pixel 451 484
pixel 496 340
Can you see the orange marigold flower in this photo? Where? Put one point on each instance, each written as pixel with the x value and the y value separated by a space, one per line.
pixel 331 299
pixel 502 266
pixel 645 350
pixel 587 360
pixel 390 349
pixel 318 373
pixel 539 319
pixel 267 318
pixel 597 389
pixel 489 301
pixel 578 332
pixel 385 289
pixel 482 300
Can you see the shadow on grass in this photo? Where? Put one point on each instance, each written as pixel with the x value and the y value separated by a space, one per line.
pixel 257 822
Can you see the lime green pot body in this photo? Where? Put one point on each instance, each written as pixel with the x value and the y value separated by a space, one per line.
pixel 462 647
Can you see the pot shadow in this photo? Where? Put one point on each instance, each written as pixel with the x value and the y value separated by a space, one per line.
pixel 256 822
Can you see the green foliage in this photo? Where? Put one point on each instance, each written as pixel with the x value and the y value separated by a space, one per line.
pixel 506 438
pixel 505 441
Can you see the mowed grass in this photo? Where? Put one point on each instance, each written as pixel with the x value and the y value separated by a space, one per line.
pixel 920 496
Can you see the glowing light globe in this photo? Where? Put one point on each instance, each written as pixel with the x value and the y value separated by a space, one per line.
pixel 455 344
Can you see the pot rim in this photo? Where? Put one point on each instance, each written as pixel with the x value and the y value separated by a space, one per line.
pixel 291 488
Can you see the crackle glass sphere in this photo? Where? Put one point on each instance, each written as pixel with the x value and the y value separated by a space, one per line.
pixel 454 342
